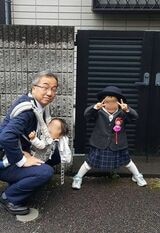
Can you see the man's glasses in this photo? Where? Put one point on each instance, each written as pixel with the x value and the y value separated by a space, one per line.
pixel 46 89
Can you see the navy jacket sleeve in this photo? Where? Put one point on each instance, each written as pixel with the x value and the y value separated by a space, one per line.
pixel 11 133
pixel 91 113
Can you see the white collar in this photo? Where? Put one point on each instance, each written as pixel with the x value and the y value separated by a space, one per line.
pixel 109 112
pixel 110 116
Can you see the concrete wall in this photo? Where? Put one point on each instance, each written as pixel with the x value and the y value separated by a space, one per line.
pixel 26 50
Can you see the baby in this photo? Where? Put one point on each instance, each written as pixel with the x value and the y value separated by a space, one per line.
pixel 60 151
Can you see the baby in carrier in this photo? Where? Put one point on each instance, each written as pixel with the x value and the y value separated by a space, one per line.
pixel 59 151
pixel 59 148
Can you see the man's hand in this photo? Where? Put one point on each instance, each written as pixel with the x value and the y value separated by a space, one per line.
pixel 32 161
pixel 27 154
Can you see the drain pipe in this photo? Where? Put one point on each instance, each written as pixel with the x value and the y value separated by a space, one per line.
pixel 8 12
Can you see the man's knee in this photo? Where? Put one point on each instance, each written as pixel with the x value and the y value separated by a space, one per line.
pixel 43 174
pixel 46 172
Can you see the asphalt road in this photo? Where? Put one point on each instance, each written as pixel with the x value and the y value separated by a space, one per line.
pixel 102 205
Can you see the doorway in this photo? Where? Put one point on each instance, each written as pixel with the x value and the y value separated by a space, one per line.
pixel 131 61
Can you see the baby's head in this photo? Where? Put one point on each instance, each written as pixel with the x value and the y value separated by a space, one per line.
pixel 57 128
pixel 111 104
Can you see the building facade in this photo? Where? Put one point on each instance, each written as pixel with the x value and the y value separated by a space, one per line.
pixel 80 15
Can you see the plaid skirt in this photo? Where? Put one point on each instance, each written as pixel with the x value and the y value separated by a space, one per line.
pixel 107 159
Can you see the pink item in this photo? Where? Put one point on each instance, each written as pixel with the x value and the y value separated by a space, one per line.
pixel 117 128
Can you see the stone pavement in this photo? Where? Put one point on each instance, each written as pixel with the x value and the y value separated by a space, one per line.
pixel 103 205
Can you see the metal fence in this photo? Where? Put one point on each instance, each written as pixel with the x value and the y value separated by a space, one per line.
pixel 126 5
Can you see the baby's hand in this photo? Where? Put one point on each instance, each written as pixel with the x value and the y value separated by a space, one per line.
pixel 32 135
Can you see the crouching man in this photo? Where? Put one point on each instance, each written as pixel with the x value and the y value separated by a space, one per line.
pixel 26 172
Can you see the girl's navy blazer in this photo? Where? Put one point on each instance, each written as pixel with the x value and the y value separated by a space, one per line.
pixel 103 135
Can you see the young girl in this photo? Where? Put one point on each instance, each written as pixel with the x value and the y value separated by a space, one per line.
pixel 108 141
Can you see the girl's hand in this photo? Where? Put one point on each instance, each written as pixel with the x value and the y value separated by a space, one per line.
pixel 100 104
pixel 123 106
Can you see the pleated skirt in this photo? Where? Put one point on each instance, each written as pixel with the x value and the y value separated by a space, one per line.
pixel 107 159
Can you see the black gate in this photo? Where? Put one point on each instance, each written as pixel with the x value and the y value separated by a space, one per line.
pixel 131 61
pixel 2 12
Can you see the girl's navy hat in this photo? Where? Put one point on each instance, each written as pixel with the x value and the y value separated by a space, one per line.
pixel 111 91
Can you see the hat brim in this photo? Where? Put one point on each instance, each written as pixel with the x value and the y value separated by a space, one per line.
pixel 102 95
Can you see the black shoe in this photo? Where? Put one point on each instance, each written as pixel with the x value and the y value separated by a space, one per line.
pixel 13 209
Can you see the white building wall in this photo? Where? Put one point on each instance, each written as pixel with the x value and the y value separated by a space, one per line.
pixel 78 13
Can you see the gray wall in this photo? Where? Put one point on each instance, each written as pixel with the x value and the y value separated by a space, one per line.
pixel 25 50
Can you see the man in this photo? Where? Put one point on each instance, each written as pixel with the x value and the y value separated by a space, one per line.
pixel 26 172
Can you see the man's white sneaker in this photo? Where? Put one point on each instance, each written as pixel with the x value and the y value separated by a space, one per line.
pixel 77 181
pixel 139 180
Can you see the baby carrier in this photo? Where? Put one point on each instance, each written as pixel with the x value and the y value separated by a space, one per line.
pixel 30 105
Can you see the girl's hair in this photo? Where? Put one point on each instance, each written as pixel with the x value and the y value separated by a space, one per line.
pixel 111 97
pixel 64 125
pixel 38 76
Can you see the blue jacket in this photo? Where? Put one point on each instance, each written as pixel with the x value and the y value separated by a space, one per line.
pixel 11 131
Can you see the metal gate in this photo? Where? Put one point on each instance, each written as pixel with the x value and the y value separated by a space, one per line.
pixel 2 12
pixel 129 60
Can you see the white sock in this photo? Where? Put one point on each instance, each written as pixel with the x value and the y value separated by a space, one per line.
pixel 83 169
pixel 132 168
